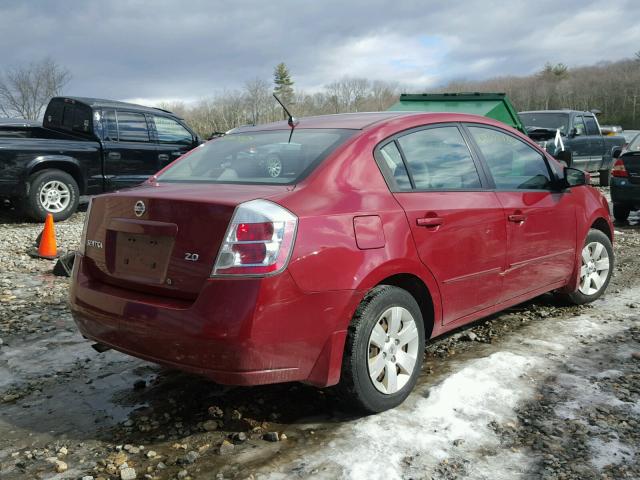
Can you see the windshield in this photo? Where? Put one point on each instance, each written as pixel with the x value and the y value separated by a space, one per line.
pixel 257 157
pixel 551 121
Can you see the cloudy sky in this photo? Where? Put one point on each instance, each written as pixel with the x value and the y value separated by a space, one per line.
pixel 185 50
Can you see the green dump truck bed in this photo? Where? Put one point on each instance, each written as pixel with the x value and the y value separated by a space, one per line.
pixel 491 105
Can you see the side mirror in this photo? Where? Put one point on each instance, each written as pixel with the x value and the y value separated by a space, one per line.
pixel 573 132
pixel 617 153
pixel 574 177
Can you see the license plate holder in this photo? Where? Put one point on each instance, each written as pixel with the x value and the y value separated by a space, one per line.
pixel 142 257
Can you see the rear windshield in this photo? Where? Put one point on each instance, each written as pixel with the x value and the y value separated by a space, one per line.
pixel 257 157
pixel 551 121
pixel 634 144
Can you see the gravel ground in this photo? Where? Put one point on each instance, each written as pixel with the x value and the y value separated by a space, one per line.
pixel 68 412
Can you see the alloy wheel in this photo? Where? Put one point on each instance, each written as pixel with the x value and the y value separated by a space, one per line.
pixel 55 196
pixel 393 350
pixel 595 268
pixel 274 166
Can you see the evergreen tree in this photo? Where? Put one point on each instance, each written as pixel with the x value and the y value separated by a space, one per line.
pixel 283 83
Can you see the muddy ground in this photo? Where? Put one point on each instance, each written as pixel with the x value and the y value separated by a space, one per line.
pixel 539 391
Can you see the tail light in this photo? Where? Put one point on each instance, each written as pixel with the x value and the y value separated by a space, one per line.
pixel 259 240
pixel 83 237
pixel 618 169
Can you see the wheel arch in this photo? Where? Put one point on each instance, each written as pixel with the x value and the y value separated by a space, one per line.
pixel 419 291
pixel 602 225
pixel 63 163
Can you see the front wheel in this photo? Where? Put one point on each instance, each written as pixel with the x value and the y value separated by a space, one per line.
pixel 384 350
pixel 595 270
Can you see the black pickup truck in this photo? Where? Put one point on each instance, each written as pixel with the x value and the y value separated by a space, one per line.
pixel 85 146
pixel 574 137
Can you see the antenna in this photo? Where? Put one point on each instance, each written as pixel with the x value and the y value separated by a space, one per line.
pixel 292 121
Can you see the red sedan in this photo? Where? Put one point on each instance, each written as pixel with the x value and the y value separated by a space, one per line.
pixel 329 254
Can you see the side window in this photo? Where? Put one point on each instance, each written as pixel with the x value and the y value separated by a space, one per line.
pixel 393 161
pixel 579 125
pixel 592 126
pixel 513 164
pixel 110 126
pixel 170 131
pixel 132 127
pixel 438 158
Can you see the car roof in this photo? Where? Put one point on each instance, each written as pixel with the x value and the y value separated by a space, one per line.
pixel 101 102
pixel 556 111
pixel 362 120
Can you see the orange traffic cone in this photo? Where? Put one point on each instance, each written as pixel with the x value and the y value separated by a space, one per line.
pixel 47 247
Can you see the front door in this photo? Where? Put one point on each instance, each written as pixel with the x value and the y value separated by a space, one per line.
pixel 130 157
pixel 458 227
pixel 596 143
pixel 541 223
pixel 580 145
pixel 173 139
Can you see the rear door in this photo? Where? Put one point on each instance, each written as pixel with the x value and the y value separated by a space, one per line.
pixel 541 223
pixel 173 139
pixel 458 226
pixel 130 157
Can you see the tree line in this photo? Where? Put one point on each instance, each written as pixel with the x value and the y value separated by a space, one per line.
pixel 254 103
pixel 611 87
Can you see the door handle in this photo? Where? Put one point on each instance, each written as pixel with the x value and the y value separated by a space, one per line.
pixel 114 156
pixel 163 157
pixel 517 218
pixel 429 221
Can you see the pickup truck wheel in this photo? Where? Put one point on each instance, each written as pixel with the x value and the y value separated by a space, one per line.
pixel 621 212
pixel 52 191
pixel 604 178
pixel 595 269
pixel 384 350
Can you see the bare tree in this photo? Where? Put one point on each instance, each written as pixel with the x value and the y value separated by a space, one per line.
pixel 259 99
pixel 25 90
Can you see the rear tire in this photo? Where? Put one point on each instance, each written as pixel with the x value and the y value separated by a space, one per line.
pixel 51 191
pixel 621 212
pixel 384 350
pixel 596 268
pixel 604 178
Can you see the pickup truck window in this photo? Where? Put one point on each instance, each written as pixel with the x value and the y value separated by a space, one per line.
pixel 592 126
pixel 111 126
pixel 132 127
pixel 552 121
pixel 170 131
pixel 578 124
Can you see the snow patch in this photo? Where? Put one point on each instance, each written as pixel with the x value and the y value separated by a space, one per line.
pixel 459 408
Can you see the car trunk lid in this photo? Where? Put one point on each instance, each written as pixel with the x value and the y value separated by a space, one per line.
pixel 163 239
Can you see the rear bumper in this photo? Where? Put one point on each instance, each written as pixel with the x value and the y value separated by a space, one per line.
pixel 625 192
pixel 245 331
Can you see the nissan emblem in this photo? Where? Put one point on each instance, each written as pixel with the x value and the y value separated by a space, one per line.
pixel 139 208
